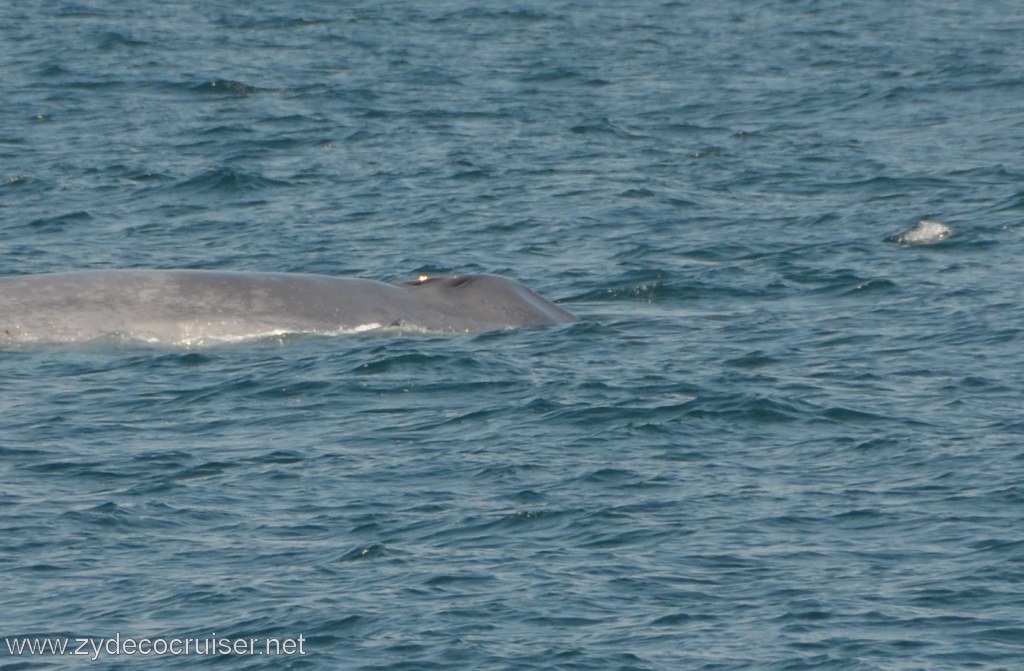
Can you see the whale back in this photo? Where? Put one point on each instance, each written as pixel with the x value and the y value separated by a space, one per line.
pixel 490 299
pixel 194 306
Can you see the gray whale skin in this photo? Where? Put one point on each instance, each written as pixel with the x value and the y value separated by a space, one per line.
pixel 197 306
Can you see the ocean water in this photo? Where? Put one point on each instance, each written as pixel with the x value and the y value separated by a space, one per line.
pixel 773 440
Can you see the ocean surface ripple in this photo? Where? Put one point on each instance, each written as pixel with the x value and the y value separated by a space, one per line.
pixel 774 440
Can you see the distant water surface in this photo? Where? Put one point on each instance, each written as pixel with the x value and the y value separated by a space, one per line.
pixel 773 441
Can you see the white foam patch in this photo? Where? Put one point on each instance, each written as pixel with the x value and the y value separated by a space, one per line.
pixel 363 327
pixel 926 231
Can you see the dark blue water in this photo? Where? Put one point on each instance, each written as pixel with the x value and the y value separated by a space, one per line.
pixel 773 441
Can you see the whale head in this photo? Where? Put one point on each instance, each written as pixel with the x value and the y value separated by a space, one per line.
pixel 486 298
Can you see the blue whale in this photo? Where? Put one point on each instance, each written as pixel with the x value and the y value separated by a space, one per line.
pixel 199 306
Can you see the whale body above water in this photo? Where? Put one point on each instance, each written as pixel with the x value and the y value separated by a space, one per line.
pixel 199 306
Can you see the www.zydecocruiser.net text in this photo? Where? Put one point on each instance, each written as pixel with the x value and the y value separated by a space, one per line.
pixel 118 645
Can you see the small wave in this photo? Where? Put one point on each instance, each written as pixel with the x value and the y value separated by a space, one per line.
pixel 1012 202
pixel 661 286
pixel 550 75
pixel 15 180
pixel 112 40
pixel 229 179
pixel 752 360
pixel 520 15
pixel 362 552
pixel 872 286
pixel 604 127
pixel 750 408
pixel 60 222
pixel 228 87
pixel 851 415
